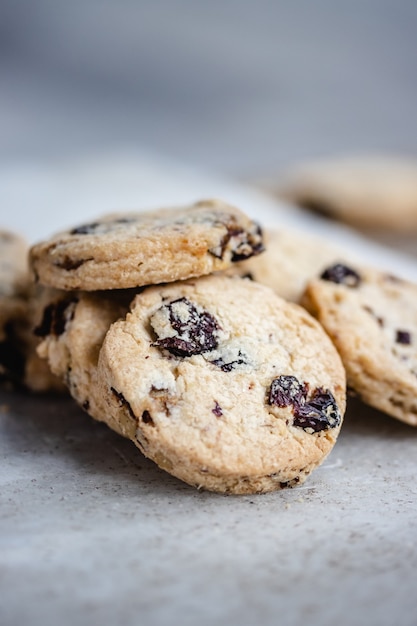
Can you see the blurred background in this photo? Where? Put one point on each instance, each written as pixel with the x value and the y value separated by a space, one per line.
pixel 231 86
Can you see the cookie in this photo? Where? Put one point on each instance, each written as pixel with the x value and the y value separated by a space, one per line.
pixel 290 259
pixel 134 249
pixel 12 350
pixel 37 376
pixel 72 330
pixel 20 366
pixel 14 285
pixel 372 319
pixel 369 193
pixel 224 384
pixel 14 276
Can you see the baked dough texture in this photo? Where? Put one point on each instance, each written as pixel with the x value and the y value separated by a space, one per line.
pixel 371 317
pixel 72 330
pixel 224 384
pixel 135 249
pixel 290 260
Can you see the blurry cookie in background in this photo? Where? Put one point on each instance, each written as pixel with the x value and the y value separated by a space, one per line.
pixel 20 365
pixel 376 193
pixel 14 278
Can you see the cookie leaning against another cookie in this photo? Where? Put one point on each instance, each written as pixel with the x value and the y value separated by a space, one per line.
pixel 136 249
pixel 372 319
pixel 224 384
pixel 290 259
pixel 72 328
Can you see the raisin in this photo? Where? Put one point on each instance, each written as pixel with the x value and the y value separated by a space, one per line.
pixel 243 244
pixel 85 229
pixel 55 318
pixel 341 274
pixel 102 227
pixel 123 402
pixel 218 411
pixel 70 265
pixel 286 391
pixel 403 336
pixel 196 330
pixel 319 413
pixel 247 244
pixel 228 366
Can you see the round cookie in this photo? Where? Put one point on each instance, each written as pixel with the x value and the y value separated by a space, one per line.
pixel 37 376
pixel 372 319
pixel 20 365
pixel 373 192
pixel 290 259
pixel 14 275
pixel 14 284
pixel 134 249
pixel 224 384
pixel 72 328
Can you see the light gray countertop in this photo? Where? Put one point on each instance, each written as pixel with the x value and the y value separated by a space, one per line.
pixel 94 533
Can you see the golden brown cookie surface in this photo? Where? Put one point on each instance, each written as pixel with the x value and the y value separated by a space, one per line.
pixel 135 249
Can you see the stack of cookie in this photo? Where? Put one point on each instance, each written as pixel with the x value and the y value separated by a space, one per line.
pixel 159 325
pixel 20 366
pixel 215 377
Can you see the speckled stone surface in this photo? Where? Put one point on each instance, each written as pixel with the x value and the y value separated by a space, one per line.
pixel 92 532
